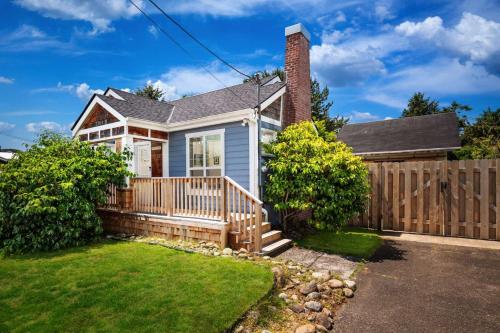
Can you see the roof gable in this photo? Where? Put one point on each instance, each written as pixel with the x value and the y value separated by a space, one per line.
pixel 430 132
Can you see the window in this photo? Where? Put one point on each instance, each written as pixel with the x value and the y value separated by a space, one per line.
pixel 205 153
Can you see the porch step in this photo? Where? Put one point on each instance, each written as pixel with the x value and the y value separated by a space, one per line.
pixel 271 237
pixel 266 226
pixel 276 247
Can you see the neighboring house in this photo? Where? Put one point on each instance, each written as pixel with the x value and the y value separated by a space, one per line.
pixel 420 138
pixel 214 134
pixel 5 156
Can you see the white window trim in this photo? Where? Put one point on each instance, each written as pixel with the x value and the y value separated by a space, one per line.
pixel 223 151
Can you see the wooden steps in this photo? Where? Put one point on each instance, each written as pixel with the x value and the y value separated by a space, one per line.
pixel 276 247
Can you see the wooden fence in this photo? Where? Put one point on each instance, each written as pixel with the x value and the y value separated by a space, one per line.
pixel 449 198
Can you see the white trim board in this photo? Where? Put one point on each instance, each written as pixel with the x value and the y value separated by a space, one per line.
pixel 221 132
pixel 88 109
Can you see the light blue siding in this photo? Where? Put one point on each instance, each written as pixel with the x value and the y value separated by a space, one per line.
pixel 271 126
pixel 236 149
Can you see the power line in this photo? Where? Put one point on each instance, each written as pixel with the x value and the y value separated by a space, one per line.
pixel 16 137
pixel 198 41
pixel 169 36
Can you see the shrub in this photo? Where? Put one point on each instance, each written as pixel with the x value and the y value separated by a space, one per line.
pixel 49 193
pixel 311 170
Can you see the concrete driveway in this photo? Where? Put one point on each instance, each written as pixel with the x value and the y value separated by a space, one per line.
pixel 418 287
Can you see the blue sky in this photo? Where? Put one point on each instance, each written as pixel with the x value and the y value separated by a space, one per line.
pixel 372 54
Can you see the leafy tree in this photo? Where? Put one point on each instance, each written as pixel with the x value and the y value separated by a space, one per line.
pixel 481 140
pixel 419 105
pixel 150 92
pixel 320 105
pixel 49 193
pixel 310 170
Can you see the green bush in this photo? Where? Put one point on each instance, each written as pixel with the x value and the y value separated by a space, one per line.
pixel 49 193
pixel 311 170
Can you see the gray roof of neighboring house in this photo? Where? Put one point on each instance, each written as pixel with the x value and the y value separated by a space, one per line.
pixel 234 98
pixel 430 132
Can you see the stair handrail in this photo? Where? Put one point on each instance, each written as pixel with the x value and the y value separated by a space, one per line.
pixel 239 187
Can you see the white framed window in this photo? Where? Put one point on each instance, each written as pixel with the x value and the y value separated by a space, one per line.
pixel 205 154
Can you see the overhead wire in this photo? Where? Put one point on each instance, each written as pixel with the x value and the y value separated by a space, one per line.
pixel 173 40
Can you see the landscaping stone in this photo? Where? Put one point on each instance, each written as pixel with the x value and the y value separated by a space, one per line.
pixel 311 317
pixel 307 328
pixel 334 283
pixel 327 312
pixel 314 306
pixel 243 255
pixel 239 329
pixel 279 277
pixel 320 328
pixel 314 295
pixel 297 308
pixel 243 250
pixel 323 320
pixel 348 292
pixel 308 288
pixel 294 297
pixel 266 257
pixel 283 296
pixel 266 331
pixel 227 251
pixel 321 275
pixel 216 253
pixel 350 284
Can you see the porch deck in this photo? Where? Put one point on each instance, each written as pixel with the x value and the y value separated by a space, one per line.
pixel 215 209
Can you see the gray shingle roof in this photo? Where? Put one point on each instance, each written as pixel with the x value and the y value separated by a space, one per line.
pixel 238 97
pixel 437 131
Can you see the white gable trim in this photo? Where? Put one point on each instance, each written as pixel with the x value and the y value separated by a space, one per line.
pixel 111 93
pixel 223 118
pixel 89 108
pixel 272 98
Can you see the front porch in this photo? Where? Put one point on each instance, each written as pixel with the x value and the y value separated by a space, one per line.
pixel 214 209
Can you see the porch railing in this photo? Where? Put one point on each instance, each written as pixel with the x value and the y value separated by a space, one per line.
pixel 213 198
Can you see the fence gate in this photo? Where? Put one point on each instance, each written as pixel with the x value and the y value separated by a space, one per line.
pixel 449 198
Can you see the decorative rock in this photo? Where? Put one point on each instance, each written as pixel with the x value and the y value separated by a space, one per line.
pixel 295 281
pixel 309 288
pixel 294 297
pixel 321 275
pixel 313 295
pixel 243 255
pixel 334 283
pixel 279 277
pixel 243 250
pixel 266 331
pixel 348 292
pixel 283 296
pixel 311 317
pixel 307 328
pixel 327 312
pixel 239 329
pixel 320 328
pixel 314 306
pixel 227 251
pixel 350 284
pixel 297 308
pixel 323 320
pixel 266 257
pixel 216 253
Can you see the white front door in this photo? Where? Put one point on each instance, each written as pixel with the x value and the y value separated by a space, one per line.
pixel 142 157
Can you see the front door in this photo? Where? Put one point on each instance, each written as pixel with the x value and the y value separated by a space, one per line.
pixel 142 157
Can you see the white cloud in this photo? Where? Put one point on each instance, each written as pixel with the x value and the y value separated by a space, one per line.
pixel 383 10
pixel 153 31
pixel 474 37
pixel 84 92
pixel 357 116
pixel 441 77
pixel 30 38
pixel 4 126
pixel 179 81
pixel 6 80
pixel 99 13
pixel 36 127
pixel 344 65
pixel 81 90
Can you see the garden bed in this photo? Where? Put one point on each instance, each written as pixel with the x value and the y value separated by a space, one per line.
pixel 127 286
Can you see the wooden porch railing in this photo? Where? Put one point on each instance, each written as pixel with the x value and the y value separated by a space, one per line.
pixel 214 198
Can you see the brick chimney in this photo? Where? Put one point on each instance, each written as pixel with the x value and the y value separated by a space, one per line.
pixel 298 75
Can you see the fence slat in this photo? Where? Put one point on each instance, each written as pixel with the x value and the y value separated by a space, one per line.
pixel 484 205
pixel 420 197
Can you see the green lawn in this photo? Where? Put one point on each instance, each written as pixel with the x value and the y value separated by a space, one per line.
pixel 356 242
pixel 131 287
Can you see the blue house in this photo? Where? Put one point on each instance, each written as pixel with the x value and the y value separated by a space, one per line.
pixel 196 159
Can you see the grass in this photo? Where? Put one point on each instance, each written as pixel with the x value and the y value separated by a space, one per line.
pixel 126 287
pixel 355 242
